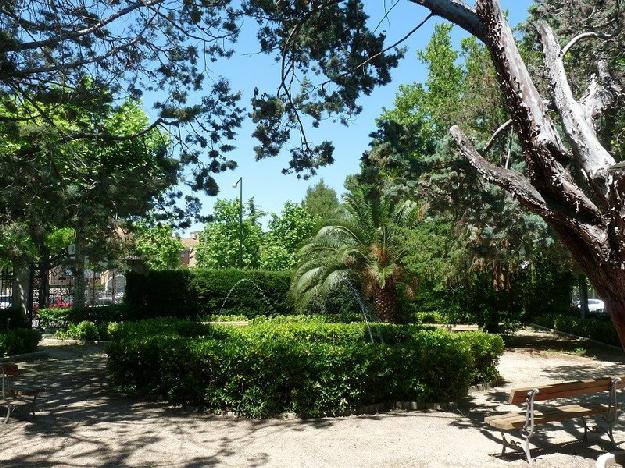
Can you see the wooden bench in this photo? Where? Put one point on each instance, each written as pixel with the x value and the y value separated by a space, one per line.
pixel 526 421
pixel 14 396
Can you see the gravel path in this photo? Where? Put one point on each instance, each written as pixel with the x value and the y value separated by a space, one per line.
pixel 82 424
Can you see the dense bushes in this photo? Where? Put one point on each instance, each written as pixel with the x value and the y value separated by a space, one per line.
pixel 192 293
pixel 541 288
pixel 19 341
pixel 311 368
pixel 87 331
pixel 55 317
pixel 594 328
pixel 11 318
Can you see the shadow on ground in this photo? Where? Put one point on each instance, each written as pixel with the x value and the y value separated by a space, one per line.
pixel 601 361
pixel 82 423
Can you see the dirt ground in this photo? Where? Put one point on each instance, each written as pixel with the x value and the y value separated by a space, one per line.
pixel 81 423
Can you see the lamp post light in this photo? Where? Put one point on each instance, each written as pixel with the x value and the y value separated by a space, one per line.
pixel 240 184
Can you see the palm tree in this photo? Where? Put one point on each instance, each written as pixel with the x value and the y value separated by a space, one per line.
pixel 365 250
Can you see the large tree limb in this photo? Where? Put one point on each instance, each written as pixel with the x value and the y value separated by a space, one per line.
pixel 457 12
pixel 522 190
pixel 602 94
pixel 542 146
pixel 592 156
pixel 512 181
pixel 522 96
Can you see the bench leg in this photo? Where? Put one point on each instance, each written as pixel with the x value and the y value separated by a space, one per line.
pixel 9 409
pixel 585 439
pixel 526 447
pixel 504 444
pixel 611 435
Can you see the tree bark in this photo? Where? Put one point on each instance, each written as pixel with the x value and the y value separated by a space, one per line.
pixel 21 286
pixel 583 296
pixel 44 278
pixel 79 290
pixel 385 304
pixel 587 214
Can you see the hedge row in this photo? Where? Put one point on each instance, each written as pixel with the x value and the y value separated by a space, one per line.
pixel 197 292
pixel 310 368
pixel 19 341
pixel 594 328
pixel 60 317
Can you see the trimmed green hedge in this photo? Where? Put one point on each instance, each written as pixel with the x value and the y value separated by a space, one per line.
pixel 57 316
pixel 19 341
pixel 594 328
pixel 200 293
pixel 87 331
pixel 310 368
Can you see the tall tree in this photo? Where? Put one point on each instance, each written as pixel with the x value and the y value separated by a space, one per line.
pixel 366 251
pixel 574 182
pixel 157 246
pixel 219 241
pixel 286 234
pixel 173 48
pixel 87 186
pixel 321 201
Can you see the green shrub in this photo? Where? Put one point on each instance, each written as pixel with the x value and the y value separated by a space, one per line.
pixel 594 328
pixel 19 341
pixel 484 350
pixel 201 293
pixel 88 331
pixel 433 316
pixel 11 318
pixel 56 317
pixel 310 368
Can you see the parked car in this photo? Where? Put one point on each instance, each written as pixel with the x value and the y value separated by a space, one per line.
pixel 5 301
pixel 596 306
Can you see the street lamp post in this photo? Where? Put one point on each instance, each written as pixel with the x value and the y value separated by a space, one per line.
pixel 240 184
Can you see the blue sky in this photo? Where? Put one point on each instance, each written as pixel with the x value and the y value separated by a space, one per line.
pixel 263 179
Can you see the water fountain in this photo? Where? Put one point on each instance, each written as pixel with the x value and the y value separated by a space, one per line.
pixel 363 308
pixel 258 288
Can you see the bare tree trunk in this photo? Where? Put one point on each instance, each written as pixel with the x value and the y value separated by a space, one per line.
pixel 587 213
pixel 583 296
pixel 44 278
pixel 113 280
pixel 79 292
pixel 21 286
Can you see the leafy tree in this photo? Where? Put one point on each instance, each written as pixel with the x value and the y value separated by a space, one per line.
pixel 82 187
pixel 367 250
pixel 157 246
pixel 219 241
pixel 476 238
pixel 574 180
pixel 168 46
pixel 287 232
pixel 321 201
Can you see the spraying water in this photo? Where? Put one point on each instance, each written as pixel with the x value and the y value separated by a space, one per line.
pixel 363 307
pixel 247 280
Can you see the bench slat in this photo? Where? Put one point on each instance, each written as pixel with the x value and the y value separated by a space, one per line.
pixel 511 421
pixel 563 390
